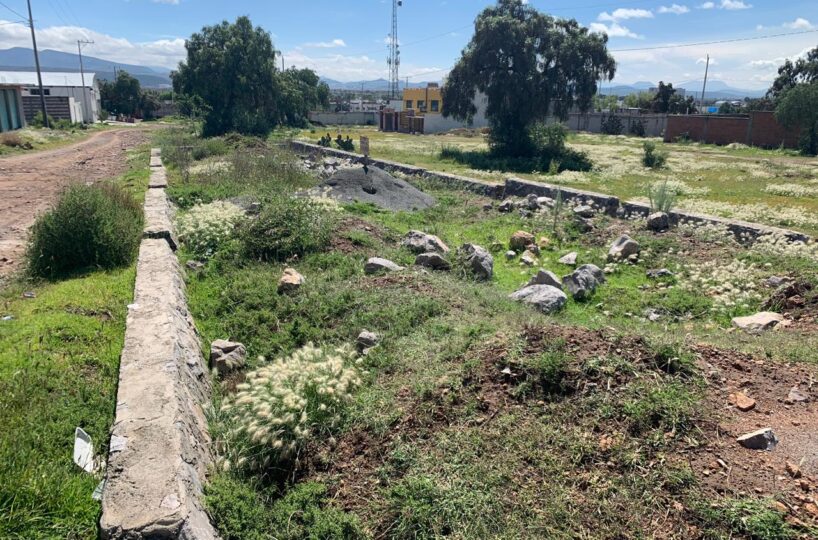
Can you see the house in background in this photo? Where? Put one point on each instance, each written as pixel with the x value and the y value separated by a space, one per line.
pixel 421 110
pixel 11 107
pixel 65 95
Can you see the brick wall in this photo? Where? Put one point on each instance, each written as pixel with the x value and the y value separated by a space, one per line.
pixel 756 129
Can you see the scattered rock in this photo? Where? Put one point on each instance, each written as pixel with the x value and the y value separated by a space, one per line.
pixel 194 266
pixel 545 202
pixel 775 282
pixel 420 242
pixel 742 401
pixel 658 222
pixel 290 281
pixel 584 225
pixel 545 277
pixel 478 261
pixel 531 202
pixel 510 254
pixel 765 320
pixel 762 439
pixel 583 281
pixel 528 258
pixel 506 206
pixel 659 273
pixel 544 242
pixel 545 298
pixel 533 248
pixel 622 248
pixel 227 356
pixel 584 211
pixel 376 265
pixel 652 314
pixel 796 396
pixel 569 259
pixel 366 340
pixel 520 239
pixel 793 469
pixel 433 261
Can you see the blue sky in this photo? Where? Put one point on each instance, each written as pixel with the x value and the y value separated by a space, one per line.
pixel 345 40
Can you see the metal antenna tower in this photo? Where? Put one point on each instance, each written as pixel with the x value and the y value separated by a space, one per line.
pixel 394 52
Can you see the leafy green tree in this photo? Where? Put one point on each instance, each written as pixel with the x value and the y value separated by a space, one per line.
pixel 798 107
pixel 759 104
pixel 122 96
pixel 528 64
pixel 728 108
pixel 231 67
pixel 681 105
pixel 301 92
pixel 641 100
pixel 662 97
pixel 790 74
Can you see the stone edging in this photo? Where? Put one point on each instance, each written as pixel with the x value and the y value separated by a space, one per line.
pixel 160 446
pixel 517 187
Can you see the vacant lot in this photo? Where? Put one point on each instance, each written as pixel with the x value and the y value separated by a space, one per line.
pixel 479 417
pixel 767 186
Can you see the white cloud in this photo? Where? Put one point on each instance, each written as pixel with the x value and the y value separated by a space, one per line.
pixel 162 52
pixel 707 5
pixel 335 43
pixel 800 24
pixel 703 61
pixel 172 2
pixel 613 30
pixel 675 9
pixel 622 14
pixel 734 4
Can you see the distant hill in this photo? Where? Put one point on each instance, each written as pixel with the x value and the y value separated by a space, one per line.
pixel 715 89
pixel 22 59
pixel 377 85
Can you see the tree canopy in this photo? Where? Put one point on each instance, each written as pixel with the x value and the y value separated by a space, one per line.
pixel 231 69
pixel 125 96
pixel 790 74
pixel 528 64
pixel 798 107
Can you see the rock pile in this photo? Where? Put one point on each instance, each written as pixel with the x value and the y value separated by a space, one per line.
pixel 374 186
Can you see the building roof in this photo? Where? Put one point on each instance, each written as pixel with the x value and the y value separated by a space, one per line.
pixel 50 78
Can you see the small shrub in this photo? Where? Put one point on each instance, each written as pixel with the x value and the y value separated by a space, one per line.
pixel 239 513
pixel 205 227
pixel 662 198
pixel 549 139
pixel 612 125
pixel 304 512
pixel 653 158
pixel 345 144
pixel 288 226
pixel 286 403
pixel 90 227
pixel 14 140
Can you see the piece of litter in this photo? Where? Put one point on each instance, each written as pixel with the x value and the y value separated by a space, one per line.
pixel 97 494
pixel 118 443
pixel 8 318
pixel 133 306
pixel 83 450
pixel 29 294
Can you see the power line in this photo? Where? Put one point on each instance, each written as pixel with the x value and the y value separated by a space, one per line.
pixel 676 46
pixel 15 12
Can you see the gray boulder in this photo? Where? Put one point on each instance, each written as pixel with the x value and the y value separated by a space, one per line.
pixel 762 439
pixel 528 258
pixel 569 259
pixel 583 281
pixel 584 211
pixel 366 340
pixel 658 222
pixel 545 277
pixel 544 298
pixel 433 261
pixel 375 265
pixel 659 273
pixel 478 260
pixel 420 242
pixel 623 248
pixel 227 356
pixel 755 324
pixel 506 206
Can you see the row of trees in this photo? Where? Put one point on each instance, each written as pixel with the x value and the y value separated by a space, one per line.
pixel 230 79
pixel 126 96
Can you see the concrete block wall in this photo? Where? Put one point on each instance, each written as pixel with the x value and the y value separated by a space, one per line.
pixel 756 129
pixel 160 447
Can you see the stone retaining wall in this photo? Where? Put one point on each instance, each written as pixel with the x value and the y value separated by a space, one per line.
pixel 517 187
pixel 160 447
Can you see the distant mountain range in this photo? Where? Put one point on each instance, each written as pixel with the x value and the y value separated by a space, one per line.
pixel 378 85
pixel 22 59
pixel 715 90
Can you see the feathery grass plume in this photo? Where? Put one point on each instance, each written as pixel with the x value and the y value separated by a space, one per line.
pixel 662 197
pixel 206 226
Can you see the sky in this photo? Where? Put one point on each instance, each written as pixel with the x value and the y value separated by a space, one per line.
pixel 346 41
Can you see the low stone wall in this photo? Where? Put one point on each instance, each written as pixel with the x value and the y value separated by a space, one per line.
pixel 517 187
pixel 160 447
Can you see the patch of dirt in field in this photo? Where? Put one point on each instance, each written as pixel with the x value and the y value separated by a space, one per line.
pixel 342 243
pixel 30 183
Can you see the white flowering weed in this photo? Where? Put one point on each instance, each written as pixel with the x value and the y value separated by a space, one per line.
pixel 681 188
pixel 732 287
pixel 206 226
pixel 792 190
pixel 284 404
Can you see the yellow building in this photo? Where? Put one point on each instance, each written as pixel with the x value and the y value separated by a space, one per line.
pixel 427 100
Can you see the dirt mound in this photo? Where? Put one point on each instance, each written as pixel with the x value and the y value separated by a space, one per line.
pixel 377 187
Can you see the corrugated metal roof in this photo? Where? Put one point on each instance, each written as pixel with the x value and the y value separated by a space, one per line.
pixel 29 78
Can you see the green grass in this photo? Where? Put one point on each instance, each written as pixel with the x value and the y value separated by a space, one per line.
pixel 46 139
pixel 732 177
pixel 59 359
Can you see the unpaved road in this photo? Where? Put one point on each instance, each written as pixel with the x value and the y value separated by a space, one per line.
pixel 30 183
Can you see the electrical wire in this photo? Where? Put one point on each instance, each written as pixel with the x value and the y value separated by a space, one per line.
pixel 15 12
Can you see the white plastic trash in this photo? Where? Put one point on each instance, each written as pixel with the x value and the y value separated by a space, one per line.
pixel 83 450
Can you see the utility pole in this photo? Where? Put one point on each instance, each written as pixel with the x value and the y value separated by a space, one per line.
pixel 704 85
pixel 85 103
pixel 37 64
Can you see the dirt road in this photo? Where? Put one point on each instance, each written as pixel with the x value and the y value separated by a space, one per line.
pixel 29 183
